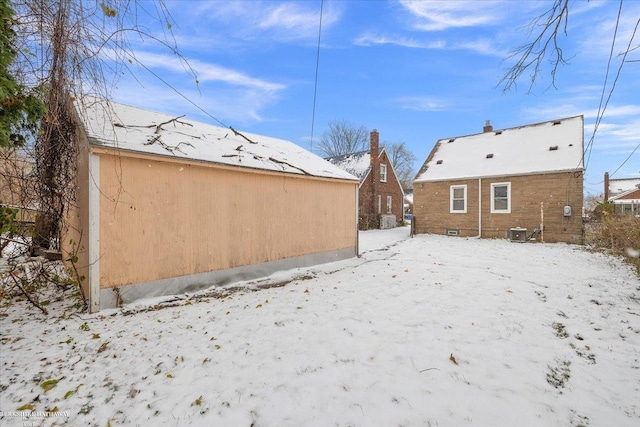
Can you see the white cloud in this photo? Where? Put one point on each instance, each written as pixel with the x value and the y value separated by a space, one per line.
pixel 262 20
pixel 369 39
pixel 422 103
pixel 206 72
pixel 433 15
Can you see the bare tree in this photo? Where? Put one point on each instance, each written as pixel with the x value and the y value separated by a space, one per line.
pixel 531 56
pixel 402 160
pixel 343 138
pixel 69 48
pixel 72 48
pixel 545 48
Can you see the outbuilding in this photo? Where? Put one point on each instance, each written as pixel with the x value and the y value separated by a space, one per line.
pixel 166 205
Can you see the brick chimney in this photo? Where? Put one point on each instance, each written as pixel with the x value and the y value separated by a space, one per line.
pixel 606 186
pixel 487 127
pixel 374 149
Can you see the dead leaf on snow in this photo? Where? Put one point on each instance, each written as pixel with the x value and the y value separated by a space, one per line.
pixel 453 359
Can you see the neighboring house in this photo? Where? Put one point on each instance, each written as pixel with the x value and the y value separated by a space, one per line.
pixel 408 203
pixel 624 194
pixel 167 205
pixel 497 183
pixel 380 195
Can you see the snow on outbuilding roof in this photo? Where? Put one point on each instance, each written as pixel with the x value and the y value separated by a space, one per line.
pixel 113 125
pixel 552 146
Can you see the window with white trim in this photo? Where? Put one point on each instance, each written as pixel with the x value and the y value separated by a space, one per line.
pixel 389 203
pixel 501 197
pixel 379 203
pixel 383 173
pixel 458 199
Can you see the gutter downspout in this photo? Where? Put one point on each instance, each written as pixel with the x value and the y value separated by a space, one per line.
pixel 479 208
pixel 357 217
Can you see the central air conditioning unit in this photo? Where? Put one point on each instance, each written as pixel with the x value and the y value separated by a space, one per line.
pixel 518 234
pixel 387 221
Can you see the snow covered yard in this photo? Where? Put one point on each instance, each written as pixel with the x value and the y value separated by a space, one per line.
pixel 428 330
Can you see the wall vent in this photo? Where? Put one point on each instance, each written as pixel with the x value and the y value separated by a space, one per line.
pixel 452 231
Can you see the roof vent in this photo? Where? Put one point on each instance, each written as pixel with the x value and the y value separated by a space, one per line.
pixel 499 132
pixel 439 162
pixel 557 122
pixel 490 156
pixel 570 145
pixel 553 148
pixel 452 139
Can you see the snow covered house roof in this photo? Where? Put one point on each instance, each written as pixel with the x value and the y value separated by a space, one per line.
pixel 357 164
pixel 546 147
pixel 624 185
pixel 113 125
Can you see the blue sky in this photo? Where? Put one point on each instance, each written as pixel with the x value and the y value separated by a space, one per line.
pixel 416 71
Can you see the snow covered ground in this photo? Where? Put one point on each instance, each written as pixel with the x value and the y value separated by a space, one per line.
pixel 423 331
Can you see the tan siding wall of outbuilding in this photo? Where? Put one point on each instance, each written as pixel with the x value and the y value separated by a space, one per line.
pixel 163 219
pixel 432 211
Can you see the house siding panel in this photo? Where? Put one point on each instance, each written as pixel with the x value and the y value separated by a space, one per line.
pixel 199 218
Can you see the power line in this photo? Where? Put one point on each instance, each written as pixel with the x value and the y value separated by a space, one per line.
pixel 601 109
pixel 315 85
pixel 625 161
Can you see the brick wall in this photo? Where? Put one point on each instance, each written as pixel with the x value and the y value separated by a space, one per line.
pixel 372 187
pixel 432 207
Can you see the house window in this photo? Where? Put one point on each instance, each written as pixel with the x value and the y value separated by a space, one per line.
pixel 458 199
pixel 379 204
pixel 383 173
pixel 501 197
pixel 389 201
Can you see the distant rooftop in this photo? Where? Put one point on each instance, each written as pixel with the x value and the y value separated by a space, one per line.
pixel 356 164
pixel 622 185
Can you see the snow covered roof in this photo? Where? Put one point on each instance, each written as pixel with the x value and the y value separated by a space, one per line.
pixel 552 146
pixel 114 125
pixel 409 198
pixel 356 164
pixel 623 185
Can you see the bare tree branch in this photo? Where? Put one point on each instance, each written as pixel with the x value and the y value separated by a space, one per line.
pixel 549 26
pixel 343 138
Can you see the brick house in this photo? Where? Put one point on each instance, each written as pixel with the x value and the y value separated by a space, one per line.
pixel 512 183
pixel 624 193
pixel 380 195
